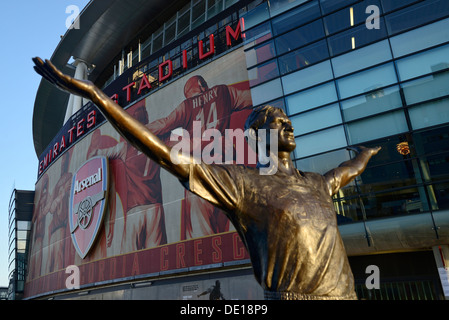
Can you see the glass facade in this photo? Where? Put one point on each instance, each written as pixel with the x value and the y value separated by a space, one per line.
pixel 20 215
pixel 368 73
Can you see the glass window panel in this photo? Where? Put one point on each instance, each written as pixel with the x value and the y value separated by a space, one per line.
pixel 394 175
pixel 441 193
pixel 21 245
pixel 266 92
pixel 426 62
pixel 389 152
pixel 348 210
pixel 299 37
pixel 332 5
pixel 421 38
pixel 426 88
pixel 184 23
pixel 312 98
pixel 23 225
pixel 279 6
pixel 355 37
pixel 307 77
pixel 432 141
pixel 393 203
pixel 256 16
pixel 366 81
pixel 157 43
pixel 22 234
pixel 361 58
pixel 416 15
pixel 170 33
pixel 214 7
pixel 257 35
pixel 262 73
pixel 376 102
pixel 198 13
pixel 295 18
pixel 436 167
pixel 333 138
pixel 323 162
pixel 389 5
pixel 429 114
pixel 316 119
pixel 229 3
pixel 348 17
pixel 260 54
pixel 278 104
pixel 376 127
pixel 303 57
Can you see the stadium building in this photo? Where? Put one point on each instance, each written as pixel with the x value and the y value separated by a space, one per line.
pixel 110 224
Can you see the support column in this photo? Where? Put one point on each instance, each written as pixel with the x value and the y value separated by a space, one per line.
pixel 76 102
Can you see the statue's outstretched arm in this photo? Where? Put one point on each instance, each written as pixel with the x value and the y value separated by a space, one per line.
pixel 339 177
pixel 131 129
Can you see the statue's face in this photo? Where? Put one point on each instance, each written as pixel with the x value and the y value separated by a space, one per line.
pixel 286 138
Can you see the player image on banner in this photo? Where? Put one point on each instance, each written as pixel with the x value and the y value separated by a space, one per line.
pixel 58 228
pixel 213 108
pixel 138 185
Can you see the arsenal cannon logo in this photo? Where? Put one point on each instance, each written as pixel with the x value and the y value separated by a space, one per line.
pixel 87 203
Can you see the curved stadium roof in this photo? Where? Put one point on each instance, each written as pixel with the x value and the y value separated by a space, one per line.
pixel 106 27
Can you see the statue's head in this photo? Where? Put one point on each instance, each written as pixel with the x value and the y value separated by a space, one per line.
pixel 268 117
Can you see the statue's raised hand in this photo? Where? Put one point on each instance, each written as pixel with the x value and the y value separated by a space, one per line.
pixel 46 69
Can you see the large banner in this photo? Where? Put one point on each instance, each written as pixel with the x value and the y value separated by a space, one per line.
pixel 151 226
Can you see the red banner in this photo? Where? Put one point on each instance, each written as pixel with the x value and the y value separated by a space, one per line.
pixel 213 252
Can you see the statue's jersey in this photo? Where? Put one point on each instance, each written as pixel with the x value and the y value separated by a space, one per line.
pixel 288 224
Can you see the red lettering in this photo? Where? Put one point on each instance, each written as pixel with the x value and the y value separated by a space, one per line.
pixel 128 90
pixel 115 98
pixel 55 149
pixel 164 262
pixel 163 77
pixel 91 119
pixel 71 134
pixel 180 253
pixel 62 144
pixel 46 161
pixel 211 48
pixel 184 59
pixel 217 254
pixel 41 167
pixel 235 34
pixel 197 252
pixel 79 128
pixel 238 251
pixel 144 84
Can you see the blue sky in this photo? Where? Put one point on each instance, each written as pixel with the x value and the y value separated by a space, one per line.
pixel 28 28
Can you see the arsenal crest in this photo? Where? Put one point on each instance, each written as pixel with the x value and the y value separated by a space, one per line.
pixel 88 202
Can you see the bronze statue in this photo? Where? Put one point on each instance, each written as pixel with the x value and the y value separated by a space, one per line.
pixel 286 220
